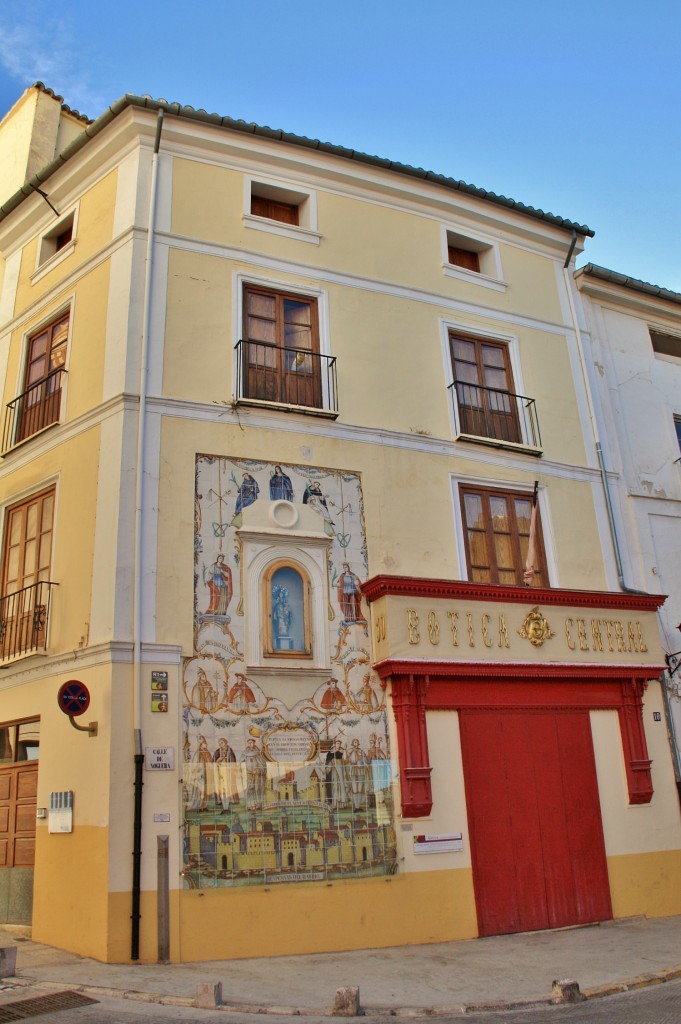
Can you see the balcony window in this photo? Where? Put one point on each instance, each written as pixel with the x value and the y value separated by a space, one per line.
pixel 26 570
pixel 38 405
pixel 485 403
pixel 279 360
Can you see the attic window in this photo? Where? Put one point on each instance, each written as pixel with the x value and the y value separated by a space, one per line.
pixel 57 238
pixel 280 210
pixel 467 253
pixel 666 344
pixel 471 259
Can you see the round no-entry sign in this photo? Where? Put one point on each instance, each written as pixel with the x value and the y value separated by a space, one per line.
pixel 73 698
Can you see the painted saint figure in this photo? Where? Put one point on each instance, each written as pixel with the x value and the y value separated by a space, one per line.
pixel 220 587
pixel 201 786
pixel 366 698
pixel 349 596
pixel 334 777
pixel 256 775
pixel 226 789
pixel 240 696
pixel 281 487
pixel 333 700
pixel 313 497
pixel 248 492
pixel 204 696
pixel 358 776
pixel 381 778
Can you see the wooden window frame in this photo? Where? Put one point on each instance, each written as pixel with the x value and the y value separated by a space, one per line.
pixel 38 571
pixel 485 412
pixel 277 383
pixel 511 496
pixel 41 397
pixel 269 649
pixel 15 726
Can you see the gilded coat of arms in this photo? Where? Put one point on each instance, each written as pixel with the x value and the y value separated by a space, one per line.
pixel 535 628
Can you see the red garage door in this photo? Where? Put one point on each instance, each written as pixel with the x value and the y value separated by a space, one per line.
pixel 534 818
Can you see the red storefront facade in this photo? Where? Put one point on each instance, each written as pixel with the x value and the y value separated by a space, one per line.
pixel 523 670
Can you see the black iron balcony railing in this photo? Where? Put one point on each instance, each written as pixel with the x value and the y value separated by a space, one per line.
pixel 36 408
pixel 287 376
pixel 497 415
pixel 24 618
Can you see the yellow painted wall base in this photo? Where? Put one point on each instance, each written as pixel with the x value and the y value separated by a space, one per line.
pixel 646 883
pixel 401 910
pixel 233 924
pixel 70 890
pixel 410 909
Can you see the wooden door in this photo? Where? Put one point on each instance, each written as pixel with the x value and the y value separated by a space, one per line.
pixel 534 817
pixel 18 792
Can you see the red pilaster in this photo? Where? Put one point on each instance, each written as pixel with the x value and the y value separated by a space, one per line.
pixel 409 705
pixel 637 762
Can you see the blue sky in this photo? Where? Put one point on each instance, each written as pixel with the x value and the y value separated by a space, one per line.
pixel 570 108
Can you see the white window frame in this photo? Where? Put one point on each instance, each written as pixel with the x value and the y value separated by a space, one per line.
pixel 270 188
pixel 491 272
pixel 324 331
pixel 47 260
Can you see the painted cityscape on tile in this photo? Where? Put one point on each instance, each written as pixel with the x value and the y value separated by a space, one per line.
pixel 281 788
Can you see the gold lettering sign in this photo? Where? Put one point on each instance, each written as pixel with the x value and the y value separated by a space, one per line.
pixel 380 628
pixel 412 625
pixel 583 636
pixel 433 628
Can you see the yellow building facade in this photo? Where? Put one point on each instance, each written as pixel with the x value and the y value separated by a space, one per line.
pixel 285 429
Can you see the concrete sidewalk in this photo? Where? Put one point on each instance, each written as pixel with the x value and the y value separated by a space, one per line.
pixel 446 977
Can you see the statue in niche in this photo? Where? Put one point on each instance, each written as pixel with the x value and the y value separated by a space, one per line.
pixel 282 617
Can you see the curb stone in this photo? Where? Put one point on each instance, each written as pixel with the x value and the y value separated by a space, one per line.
pixel 597 992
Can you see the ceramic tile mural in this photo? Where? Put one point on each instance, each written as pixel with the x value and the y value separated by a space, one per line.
pixel 286 777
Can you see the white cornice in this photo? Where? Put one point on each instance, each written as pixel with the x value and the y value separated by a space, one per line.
pixel 617 297
pixel 54 437
pixel 321 170
pixel 293 423
pixel 397 291
pixel 115 652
